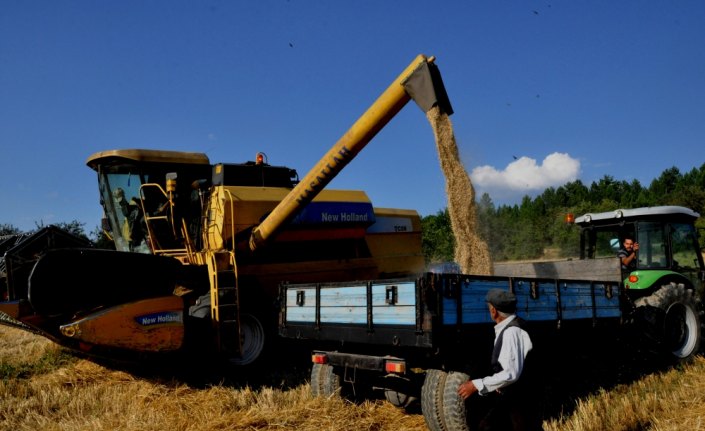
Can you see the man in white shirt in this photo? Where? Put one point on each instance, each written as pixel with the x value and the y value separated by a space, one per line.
pixel 512 344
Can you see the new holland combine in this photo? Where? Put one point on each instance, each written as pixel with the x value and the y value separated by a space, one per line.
pixel 201 248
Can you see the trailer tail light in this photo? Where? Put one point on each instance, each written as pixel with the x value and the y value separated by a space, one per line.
pixel 319 358
pixel 398 367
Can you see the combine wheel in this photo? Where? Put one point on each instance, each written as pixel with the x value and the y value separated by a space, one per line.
pixel 252 336
pixel 454 411
pixel 432 400
pixel 678 321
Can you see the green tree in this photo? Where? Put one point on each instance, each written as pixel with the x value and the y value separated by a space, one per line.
pixel 74 227
pixel 437 238
pixel 667 183
pixel 101 240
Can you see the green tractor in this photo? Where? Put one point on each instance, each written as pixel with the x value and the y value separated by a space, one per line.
pixel 663 282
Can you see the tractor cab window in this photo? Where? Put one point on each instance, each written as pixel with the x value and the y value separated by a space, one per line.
pixel 652 246
pixel 120 193
pixel 683 244
pixel 607 243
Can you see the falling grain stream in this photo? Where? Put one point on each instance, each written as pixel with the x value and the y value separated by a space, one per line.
pixel 471 252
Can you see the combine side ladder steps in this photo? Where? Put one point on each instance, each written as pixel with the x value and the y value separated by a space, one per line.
pixel 228 315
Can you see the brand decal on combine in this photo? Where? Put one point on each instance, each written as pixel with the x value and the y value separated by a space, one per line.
pixel 336 212
pixel 161 318
pixel 391 224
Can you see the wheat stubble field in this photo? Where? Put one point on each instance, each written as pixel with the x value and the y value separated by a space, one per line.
pixel 44 387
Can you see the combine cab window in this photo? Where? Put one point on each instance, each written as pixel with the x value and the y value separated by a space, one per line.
pixel 121 200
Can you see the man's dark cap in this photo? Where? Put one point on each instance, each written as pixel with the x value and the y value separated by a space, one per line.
pixel 502 300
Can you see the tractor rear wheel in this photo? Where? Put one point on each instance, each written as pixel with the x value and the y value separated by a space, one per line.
pixel 677 322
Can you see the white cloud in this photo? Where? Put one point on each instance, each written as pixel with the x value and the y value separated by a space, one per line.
pixel 524 174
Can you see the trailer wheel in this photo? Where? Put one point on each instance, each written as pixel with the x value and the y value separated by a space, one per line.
pixel 432 399
pixel 399 391
pixel 454 411
pixel 399 399
pixel 324 381
pixel 677 321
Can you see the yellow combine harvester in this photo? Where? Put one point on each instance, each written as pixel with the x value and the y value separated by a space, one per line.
pixel 201 248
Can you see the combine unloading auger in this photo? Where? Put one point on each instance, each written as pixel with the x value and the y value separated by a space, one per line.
pixel 421 81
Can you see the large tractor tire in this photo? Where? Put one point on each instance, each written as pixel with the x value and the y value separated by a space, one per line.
pixel 454 411
pixel 674 320
pixel 432 400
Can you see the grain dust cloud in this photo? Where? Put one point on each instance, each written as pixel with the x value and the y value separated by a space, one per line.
pixel 471 252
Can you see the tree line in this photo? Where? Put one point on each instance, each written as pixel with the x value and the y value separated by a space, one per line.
pixel 536 228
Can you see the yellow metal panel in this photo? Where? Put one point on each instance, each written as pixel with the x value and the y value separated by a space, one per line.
pixel 152 325
pixel 249 205
pixel 412 215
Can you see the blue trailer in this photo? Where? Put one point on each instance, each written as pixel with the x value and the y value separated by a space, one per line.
pixel 417 312
pixel 412 337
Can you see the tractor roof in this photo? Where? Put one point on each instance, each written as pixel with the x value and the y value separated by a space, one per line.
pixel 633 214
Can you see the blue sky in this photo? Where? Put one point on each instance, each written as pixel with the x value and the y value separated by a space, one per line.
pixel 544 92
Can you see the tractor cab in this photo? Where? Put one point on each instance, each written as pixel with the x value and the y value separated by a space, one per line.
pixel 667 238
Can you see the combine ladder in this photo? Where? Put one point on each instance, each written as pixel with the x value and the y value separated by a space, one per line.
pixel 225 300
pixel 225 296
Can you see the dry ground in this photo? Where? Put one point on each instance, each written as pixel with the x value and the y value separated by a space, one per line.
pixel 45 388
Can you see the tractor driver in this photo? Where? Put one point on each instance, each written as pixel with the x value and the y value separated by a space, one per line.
pixel 627 255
